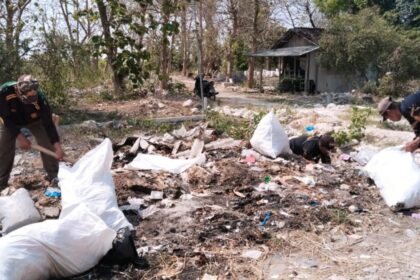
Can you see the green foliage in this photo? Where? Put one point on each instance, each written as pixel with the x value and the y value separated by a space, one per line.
pixel 354 43
pixel 239 50
pixel 356 128
pixel 370 87
pixel 51 67
pixel 408 12
pixel 151 126
pixel 177 88
pixel 126 52
pixel 332 8
pixel 234 127
pixel 390 86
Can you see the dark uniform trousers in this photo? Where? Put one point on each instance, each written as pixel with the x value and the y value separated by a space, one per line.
pixel 7 151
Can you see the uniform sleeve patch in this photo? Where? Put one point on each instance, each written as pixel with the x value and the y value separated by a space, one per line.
pixel 11 96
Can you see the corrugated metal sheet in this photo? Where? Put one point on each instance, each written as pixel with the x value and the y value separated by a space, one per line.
pixel 292 51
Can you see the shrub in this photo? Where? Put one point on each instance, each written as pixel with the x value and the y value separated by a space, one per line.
pixel 356 128
pixel 370 87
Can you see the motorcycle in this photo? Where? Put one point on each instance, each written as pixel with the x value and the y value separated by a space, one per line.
pixel 208 88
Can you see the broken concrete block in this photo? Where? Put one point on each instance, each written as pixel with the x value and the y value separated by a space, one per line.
pixel 144 144
pixel 156 195
pixel 187 103
pixel 252 254
pixel 197 148
pixel 51 212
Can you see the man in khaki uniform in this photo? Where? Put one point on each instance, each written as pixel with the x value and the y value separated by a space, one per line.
pixel 23 105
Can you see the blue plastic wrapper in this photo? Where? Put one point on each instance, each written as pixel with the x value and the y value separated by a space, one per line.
pixel 52 192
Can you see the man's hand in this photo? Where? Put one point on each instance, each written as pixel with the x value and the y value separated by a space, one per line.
pixel 412 145
pixel 59 151
pixel 23 142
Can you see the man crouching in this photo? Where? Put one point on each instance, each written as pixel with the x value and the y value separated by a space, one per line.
pixel 313 148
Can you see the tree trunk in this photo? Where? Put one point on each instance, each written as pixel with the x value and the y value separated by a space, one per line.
pixel 118 79
pixel 184 46
pixel 165 13
pixel 233 11
pixel 254 43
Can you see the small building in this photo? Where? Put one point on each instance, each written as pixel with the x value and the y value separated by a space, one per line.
pixel 295 54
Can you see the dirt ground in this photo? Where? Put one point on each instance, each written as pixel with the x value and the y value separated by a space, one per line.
pixel 222 220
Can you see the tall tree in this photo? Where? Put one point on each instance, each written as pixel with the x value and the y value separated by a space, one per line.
pixel 255 33
pixel 122 29
pixel 11 27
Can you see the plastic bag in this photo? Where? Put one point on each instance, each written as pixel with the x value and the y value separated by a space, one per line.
pixel 55 248
pixel 90 182
pixel 397 176
pixel 17 210
pixel 365 155
pixel 156 162
pixel 269 137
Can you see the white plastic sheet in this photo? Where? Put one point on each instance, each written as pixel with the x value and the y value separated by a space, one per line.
pixel 17 210
pixel 55 248
pixel 157 162
pixel 269 137
pixel 397 176
pixel 89 182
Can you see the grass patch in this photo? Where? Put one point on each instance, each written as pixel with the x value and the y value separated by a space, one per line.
pixel 151 126
pixel 237 128
pixel 71 116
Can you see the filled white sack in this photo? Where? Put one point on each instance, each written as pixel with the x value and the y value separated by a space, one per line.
pixel 269 137
pixel 90 182
pixel 157 162
pixel 397 176
pixel 55 248
pixel 17 210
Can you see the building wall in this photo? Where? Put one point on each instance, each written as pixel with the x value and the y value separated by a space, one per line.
pixel 326 81
pixel 296 41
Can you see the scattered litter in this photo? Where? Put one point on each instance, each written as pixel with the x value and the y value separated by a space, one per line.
pixel 307 180
pixel 252 254
pixel 209 277
pixel 345 157
pixel 271 186
pixel 415 216
pixel 52 192
pixel 266 217
pixel 157 162
pixel 156 195
pixel 51 212
pixel 187 103
pixel 149 211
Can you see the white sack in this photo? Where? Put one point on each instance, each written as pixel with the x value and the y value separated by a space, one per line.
pixel 90 182
pixel 55 248
pixel 157 162
pixel 269 137
pixel 17 210
pixel 397 176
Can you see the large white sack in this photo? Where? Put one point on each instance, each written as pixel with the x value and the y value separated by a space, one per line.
pixel 17 210
pixel 269 137
pixel 397 176
pixel 90 182
pixel 157 162
pixel 55 248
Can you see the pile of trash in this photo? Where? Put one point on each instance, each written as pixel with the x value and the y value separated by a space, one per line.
pixel 194 204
